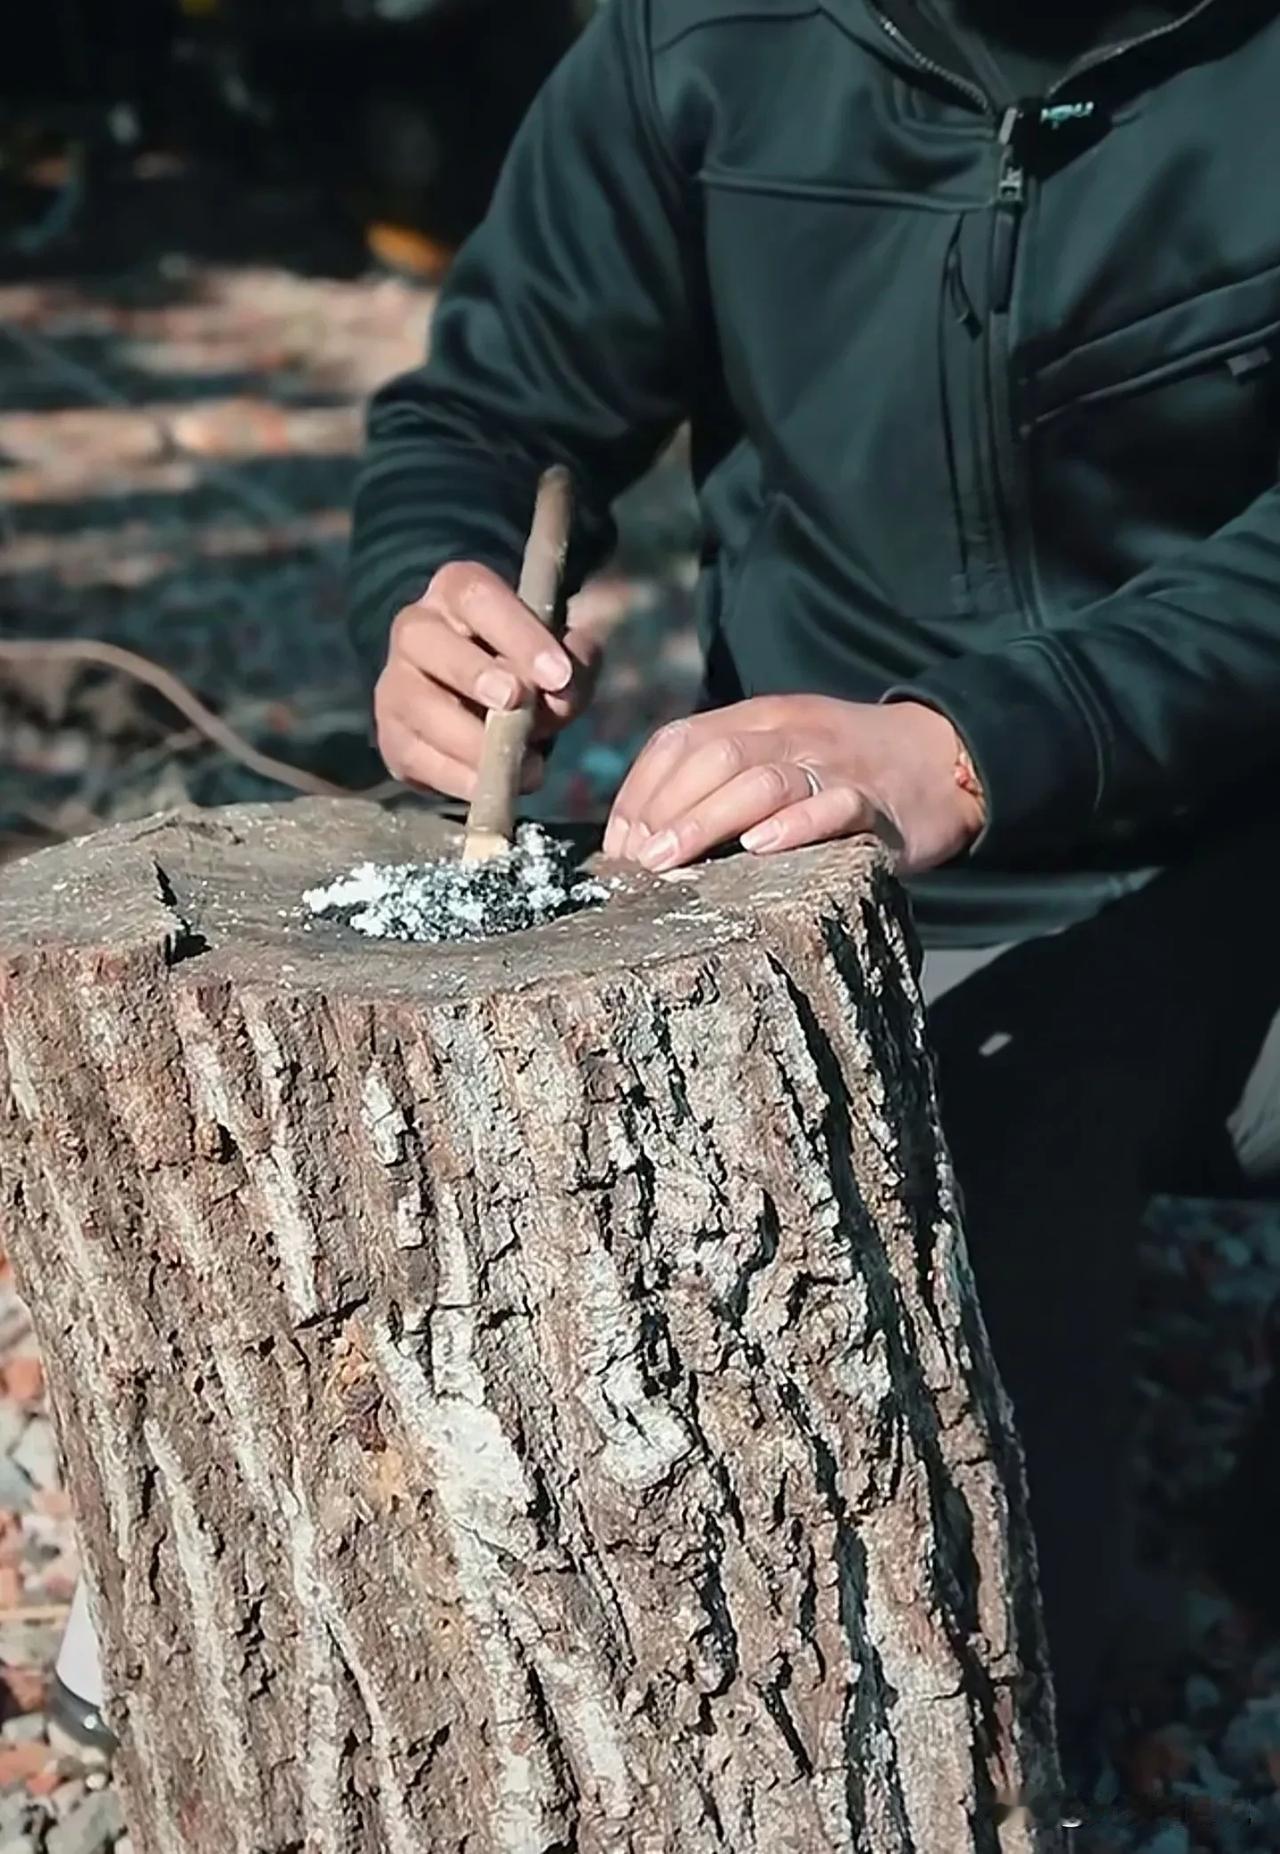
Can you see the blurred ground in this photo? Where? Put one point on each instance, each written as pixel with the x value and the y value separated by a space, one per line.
pixel 177 439
pixel 178 421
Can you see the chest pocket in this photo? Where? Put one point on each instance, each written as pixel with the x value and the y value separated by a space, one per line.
pixel 832 309
pixel 1155 435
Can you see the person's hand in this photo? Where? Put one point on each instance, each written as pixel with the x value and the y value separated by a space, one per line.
pixel 466 647
pixel 787 770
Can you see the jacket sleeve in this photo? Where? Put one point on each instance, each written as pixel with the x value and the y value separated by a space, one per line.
pixel 1140 708
pixel 562 335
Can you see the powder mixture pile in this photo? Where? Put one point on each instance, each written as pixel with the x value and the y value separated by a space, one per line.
pixel 533 883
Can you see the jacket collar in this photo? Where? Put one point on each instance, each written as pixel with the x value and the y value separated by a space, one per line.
pixel 895 29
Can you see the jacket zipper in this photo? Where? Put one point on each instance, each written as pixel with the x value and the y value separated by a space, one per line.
pixel 1005 439
pixel 1092 61
pixel 1011 198
pixel 1009 211
pixel 900 39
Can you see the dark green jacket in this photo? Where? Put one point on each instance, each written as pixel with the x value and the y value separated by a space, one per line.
pixel 986 406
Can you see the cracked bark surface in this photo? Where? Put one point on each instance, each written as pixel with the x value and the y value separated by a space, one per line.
pixel 519 1398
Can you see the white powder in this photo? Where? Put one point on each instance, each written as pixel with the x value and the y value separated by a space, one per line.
pixel 530 884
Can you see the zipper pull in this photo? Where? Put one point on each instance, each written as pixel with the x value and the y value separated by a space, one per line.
pixel 1011 188
pixel 1011 196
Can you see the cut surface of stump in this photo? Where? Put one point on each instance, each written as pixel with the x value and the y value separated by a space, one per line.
pixel 524 1396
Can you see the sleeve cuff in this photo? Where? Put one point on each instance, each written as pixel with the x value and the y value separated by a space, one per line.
pixel 1032 740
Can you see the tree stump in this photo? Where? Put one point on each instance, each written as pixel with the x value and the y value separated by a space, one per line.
pixel 518 1397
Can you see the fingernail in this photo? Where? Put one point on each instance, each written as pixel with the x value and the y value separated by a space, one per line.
pixel 553 671
pixel 661 850
pixel 614 837
pixel 497 690
pixel 760 836
pixel 634 841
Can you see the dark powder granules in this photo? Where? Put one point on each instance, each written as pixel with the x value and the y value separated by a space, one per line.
pixel 533 883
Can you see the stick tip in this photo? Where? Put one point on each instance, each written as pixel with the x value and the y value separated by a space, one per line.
pixel 482 846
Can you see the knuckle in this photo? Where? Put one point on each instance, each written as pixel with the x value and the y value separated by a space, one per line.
pixel 672 737
pixel 764 711
pixel 846 795
pixel 383 698
pixel 422 766
pixel 775 784
pixel 449 581
pixel 391 749
pixel 727 755
pixel 410 618
pixel 457 587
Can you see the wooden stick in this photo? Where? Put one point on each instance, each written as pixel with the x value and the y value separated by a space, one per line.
pixel 491 820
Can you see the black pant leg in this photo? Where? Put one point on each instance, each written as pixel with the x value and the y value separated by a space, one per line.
pixel 1050 1167
pixel 1079 1074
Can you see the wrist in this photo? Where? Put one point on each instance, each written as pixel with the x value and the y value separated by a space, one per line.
pixel 949 802
pixel 968 778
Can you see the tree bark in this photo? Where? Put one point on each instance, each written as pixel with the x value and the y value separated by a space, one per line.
pixel 519 1397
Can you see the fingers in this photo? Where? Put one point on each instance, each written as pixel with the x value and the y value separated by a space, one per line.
pixel 417 762
pixel 724 813
pixel 451 661
pixel 430 713
pixel 748 725
pixel 585 648
pixel 467 648
pixel 774 773
pixel 840 812
pixel 474 603
pixel 752 766
pixel 628 822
